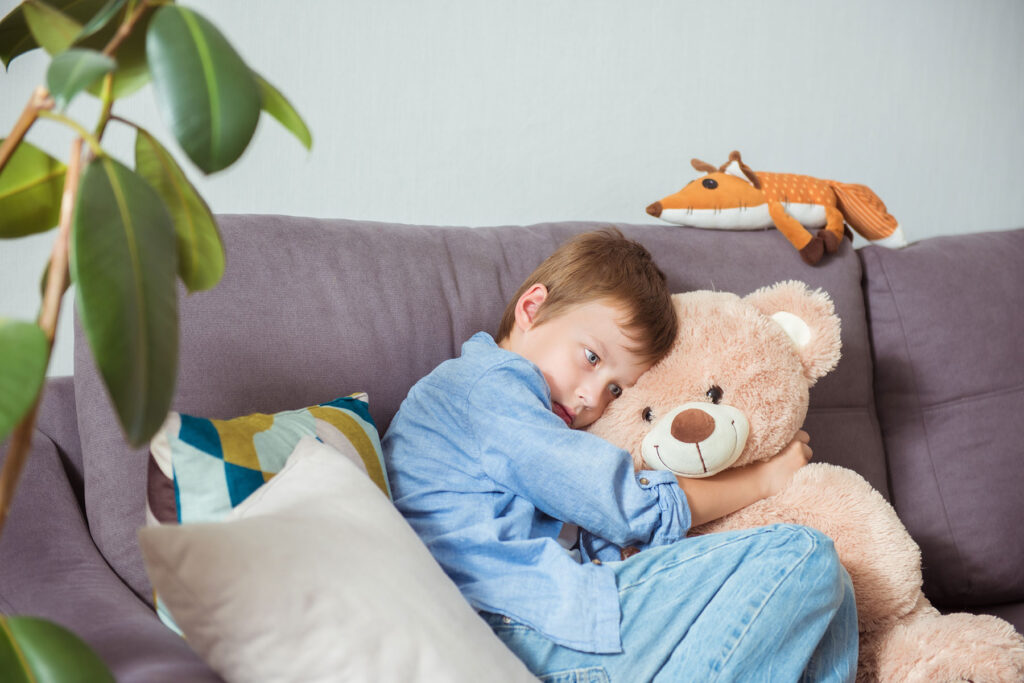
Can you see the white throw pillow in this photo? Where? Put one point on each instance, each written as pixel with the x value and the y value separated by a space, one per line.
pixel 316 577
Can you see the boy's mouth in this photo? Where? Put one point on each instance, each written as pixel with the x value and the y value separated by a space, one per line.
pixel 564 413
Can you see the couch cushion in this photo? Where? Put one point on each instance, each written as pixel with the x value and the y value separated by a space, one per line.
pixel 947 320
pixel 311 308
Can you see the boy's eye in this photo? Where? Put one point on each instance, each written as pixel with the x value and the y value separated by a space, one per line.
pixel 591 356
pixel 615 389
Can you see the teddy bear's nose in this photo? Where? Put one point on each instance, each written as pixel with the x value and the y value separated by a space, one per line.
pixel 692 426
pixel 654 209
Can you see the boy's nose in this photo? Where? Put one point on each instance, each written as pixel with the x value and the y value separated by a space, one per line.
pixel 589 393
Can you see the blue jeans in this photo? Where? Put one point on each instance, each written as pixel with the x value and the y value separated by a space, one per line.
pixel 765 604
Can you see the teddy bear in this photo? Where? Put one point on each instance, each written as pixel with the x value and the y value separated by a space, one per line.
pixel 734 389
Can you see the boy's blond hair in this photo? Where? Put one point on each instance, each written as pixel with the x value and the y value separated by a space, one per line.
pixel 604 264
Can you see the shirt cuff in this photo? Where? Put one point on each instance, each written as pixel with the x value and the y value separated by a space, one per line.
pixel 675 511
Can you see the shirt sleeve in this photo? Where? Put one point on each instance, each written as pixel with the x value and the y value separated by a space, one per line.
pixel 571 475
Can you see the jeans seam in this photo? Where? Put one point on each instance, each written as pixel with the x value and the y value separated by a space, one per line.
pixel 647 576
pixel 760 609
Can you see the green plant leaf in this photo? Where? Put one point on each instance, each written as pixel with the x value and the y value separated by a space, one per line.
pixel 275 104
pixel 51 28
pixel 15 38
pixel 132 70
pixel 35 650
pixel 207 93
pixel 101 18
pixel 200 250
pixel 73 70
pixel 23 357
pixel 30 189
pixel 124 265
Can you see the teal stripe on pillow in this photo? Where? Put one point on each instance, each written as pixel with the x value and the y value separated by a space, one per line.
pixel 201 434
pixel 200 484
pixel 242 481
pixel 360 408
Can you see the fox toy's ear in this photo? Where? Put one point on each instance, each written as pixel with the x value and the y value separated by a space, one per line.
pixel 808 319
pixel 736 167
pixel 733 169
pixel 702 166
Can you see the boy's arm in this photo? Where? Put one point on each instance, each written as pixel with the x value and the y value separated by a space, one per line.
pixel 568 474
pixel 728 491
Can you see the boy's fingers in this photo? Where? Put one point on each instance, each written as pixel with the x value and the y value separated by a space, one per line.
pixel 803 436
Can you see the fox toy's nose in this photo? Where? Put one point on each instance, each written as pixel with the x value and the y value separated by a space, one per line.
pixel 654 209
pixel 692 426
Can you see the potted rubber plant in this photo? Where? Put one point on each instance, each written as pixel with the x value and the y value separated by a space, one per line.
pixel 126 230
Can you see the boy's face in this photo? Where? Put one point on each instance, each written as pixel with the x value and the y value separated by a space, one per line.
pixel 583 352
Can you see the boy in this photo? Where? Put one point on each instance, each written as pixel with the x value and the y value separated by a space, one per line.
pixel 486 463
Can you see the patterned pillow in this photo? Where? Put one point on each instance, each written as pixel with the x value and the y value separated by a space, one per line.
pixel 200 468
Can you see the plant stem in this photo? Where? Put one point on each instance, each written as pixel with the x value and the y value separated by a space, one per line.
pixel 125 29
pixel 94 144
pixel 57 280
pixel 56 283
pixel 107 97
pixel 39 101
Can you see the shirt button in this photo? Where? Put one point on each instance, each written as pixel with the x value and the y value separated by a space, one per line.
pixel 596 561
pixel 644 481
pixel 506 620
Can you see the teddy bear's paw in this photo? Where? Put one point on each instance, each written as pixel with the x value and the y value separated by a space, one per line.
pixel 952 647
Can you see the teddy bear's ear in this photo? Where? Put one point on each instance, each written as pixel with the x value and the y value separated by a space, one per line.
pixel 809 320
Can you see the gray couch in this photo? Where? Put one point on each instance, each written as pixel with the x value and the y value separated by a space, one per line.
pixel 927 402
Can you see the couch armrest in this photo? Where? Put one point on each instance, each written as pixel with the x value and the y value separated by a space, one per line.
pixel 50 568
pixel 58 419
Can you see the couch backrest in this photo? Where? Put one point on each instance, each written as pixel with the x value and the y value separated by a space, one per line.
pixel 312 309
pixel 947 319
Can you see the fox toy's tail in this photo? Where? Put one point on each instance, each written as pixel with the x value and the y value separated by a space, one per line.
pixel 865 213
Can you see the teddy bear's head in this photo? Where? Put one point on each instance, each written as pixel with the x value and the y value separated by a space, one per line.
pixel 734 387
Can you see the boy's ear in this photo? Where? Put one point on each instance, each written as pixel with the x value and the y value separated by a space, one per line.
pixel 529 304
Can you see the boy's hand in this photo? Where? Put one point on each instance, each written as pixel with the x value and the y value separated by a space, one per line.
pixel 779 470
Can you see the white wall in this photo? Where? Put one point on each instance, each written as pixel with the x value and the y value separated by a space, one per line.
pixel 485 112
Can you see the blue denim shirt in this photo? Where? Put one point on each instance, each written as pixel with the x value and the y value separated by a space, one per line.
pixel 486 474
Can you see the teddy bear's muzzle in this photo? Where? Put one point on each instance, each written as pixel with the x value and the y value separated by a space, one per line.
pixel 696 439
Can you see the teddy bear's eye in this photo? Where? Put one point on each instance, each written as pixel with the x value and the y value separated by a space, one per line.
pixel 647 414
pixel 715 394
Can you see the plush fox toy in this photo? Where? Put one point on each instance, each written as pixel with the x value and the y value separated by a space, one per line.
pixel 733 197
